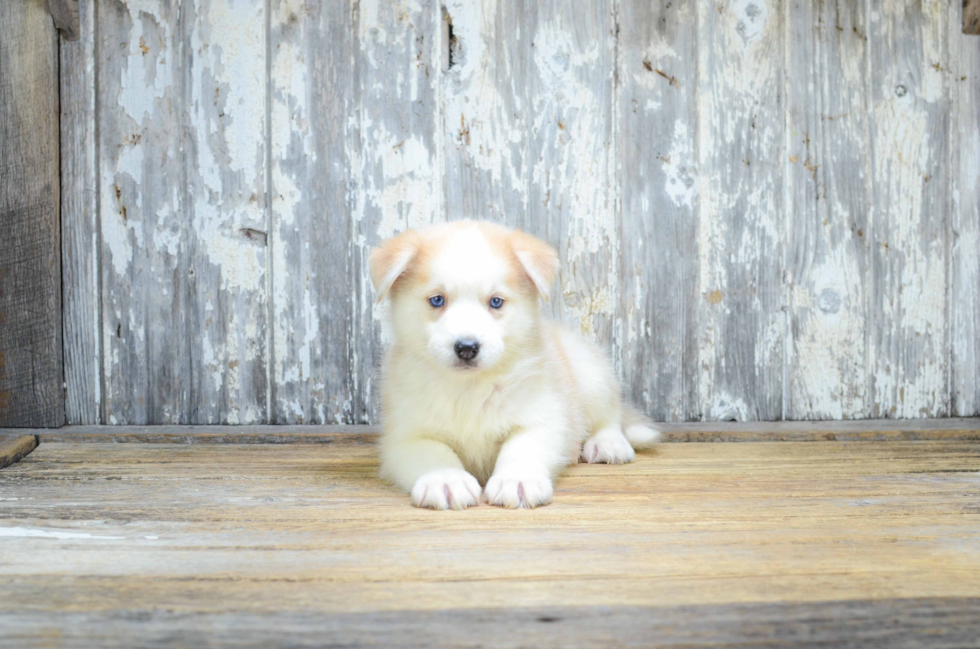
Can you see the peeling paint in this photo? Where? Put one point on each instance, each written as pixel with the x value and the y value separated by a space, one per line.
pixel 571 172
pixel 908 231
pixel 741 237
pixel 829 192
pixel 149 72
pixel 484 121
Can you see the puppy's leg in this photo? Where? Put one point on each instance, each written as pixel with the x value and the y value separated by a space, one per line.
pixel 525 465
pixel 432 472
pixel 608 446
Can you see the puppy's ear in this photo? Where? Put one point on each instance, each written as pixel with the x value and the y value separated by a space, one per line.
pixel 540 261
pixel 391 259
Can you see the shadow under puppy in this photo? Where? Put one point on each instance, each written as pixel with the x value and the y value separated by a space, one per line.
pixel 478 387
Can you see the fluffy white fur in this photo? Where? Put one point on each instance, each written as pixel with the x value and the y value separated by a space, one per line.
pixel 515 416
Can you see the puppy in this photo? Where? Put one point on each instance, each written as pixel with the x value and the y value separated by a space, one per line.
pixel 479 388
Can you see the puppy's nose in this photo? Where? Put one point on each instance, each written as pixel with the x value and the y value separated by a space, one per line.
pixel 467 349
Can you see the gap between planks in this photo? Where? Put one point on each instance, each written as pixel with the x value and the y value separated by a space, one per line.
pixel 874 430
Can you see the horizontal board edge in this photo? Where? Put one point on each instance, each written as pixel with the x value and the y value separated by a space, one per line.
pixel 967 429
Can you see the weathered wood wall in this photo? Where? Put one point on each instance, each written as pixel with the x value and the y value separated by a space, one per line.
pixel 766 209
pixel 31 376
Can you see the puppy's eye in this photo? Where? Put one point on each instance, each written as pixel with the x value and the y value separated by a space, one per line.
pixel 496 302
pixel 437 301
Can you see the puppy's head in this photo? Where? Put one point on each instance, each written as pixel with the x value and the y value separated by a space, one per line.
pixel 464 294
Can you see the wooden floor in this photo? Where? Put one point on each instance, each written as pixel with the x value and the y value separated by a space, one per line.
pixel 774 543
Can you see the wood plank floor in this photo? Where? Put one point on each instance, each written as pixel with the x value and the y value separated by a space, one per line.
pixel 776 544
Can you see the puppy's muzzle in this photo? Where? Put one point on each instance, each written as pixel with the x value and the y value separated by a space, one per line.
pixel 467 349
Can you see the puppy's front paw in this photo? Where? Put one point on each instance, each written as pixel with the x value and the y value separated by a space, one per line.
pixel 607 447
pixel 446 489
pixel 524 491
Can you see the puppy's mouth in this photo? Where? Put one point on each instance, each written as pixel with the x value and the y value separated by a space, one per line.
pixel 466 365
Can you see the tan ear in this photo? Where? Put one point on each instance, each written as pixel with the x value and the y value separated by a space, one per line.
pixel 391 259
pixel 540 261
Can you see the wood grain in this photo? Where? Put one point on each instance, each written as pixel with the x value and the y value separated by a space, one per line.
pixel 80 235
pixel 303 537
pixel 964 215
pixel 920 622
pixel 742 237
pixel 908 228
pixel 828 178
pixel 658 299
pixel 181 207
pixel 567 107
pixel 311 88
pixel 13 449
pixel 486 119
pixel 65 14
pixel 31 366
pixel 221 72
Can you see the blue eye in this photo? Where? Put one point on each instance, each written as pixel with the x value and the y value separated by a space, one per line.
pixel 437 301
pixel 496 302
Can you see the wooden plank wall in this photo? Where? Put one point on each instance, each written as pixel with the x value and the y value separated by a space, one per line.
pixel 80 231
pixel 964 210
pixel 31 374
pixel 829 198
pixel 766 209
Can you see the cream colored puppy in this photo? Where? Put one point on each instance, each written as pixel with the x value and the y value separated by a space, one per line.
pixel 479 388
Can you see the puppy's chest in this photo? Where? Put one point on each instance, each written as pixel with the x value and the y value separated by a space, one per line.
pixel 487 411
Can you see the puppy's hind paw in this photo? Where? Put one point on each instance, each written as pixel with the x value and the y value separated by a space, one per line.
pixel 608 446
pixel 446 489
pixel 519 492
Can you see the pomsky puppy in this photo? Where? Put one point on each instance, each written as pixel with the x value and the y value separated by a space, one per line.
pixel 478 387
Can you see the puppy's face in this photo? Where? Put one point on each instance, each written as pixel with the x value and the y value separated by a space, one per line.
pixel 464 294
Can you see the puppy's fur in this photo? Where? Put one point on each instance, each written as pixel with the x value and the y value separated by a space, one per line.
pixel 512 417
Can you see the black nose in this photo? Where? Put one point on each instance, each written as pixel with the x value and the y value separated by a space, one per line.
pixel 467 349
